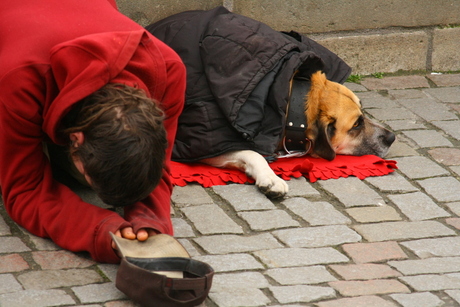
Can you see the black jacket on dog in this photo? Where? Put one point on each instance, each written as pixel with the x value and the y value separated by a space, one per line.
pixel 238 75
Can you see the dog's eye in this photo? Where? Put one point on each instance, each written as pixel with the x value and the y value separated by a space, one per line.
pixel 358 124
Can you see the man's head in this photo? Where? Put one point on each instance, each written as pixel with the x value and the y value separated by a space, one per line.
pixel 118 142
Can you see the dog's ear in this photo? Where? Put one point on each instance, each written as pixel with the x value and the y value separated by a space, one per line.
pixel 320 134
pixel 319 128
pixel 322 142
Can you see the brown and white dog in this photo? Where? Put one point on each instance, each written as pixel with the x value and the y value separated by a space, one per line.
pixel 335 125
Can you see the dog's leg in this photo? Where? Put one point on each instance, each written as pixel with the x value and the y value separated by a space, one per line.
pixel 255 166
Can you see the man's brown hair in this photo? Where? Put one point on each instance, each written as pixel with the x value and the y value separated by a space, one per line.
pixel 124 143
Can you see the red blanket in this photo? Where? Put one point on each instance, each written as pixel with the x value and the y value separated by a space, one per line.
pixel 312 168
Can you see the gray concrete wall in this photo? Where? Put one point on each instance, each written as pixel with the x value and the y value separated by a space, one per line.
pixel 370 35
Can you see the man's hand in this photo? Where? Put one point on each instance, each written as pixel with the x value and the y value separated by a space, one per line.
pixel 128 233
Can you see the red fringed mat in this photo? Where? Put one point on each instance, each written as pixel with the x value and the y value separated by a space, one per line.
pixel 312 168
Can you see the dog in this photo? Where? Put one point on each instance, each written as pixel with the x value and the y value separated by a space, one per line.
pixel 335 124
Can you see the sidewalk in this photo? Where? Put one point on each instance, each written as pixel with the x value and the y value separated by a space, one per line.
pixel 384 241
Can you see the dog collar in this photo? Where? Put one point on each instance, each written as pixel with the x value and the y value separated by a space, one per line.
pixel 294 140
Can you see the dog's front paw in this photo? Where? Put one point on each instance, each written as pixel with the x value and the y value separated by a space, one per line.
pixel 272 186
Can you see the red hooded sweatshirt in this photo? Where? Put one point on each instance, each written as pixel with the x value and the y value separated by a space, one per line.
pixel 54 53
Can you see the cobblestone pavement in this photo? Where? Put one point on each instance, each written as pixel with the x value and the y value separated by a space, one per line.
pixel 383 241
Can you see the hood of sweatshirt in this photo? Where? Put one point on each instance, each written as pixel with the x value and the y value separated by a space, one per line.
pixel 82 66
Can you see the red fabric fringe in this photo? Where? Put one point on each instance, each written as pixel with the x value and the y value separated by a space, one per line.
pixel 312 168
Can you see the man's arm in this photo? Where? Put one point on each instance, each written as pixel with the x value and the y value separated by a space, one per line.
pixel 154 212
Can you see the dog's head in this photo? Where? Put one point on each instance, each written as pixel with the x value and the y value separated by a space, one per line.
pixel 337 125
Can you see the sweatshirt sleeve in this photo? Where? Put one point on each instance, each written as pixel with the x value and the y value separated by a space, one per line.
pixel 34 199
pixel 154 211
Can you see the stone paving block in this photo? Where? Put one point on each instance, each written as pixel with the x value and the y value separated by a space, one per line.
pixel 120 304
pixel 182 229
pixel 223 244
pixel 456 169
pixel 317 236
pixel 445 50
pixel 436 247
pixel 451 127
pixel 55 260
pixel 379 102
pixel 427 266
pixel 266 220
pixel 454 207
pixel 420 167
pixel 355 87
pixel 98 293
pixel 428 109
pixel 454 222
pixel 401 124
pixel 109 270
pixel 374 214
pixel 432 282
pixel 455 107
pixel 9 284
pixel 443 189
pixel 293 257
pixel 244 280
pixel 211 219
pixel 12 245
pixel 360 301
pixel 369 287
pixel 392 114
pixel 352 192
pixel 4 228
pixel 301 187
pixel 49 279
pixel 239 297
pixel 314 212
pixel 402 230
pixel 407 93
pixel 364 271
pixel 449 95
pixel 369 97
pixel 393 83
pixel 446 156
pixel 301 293
pixel 393 182
pixel 374 252
pixel 190 195
pixel 423 299
pixel 428 138
pixel 12 263
pixel 444 80
pixel 301 275
pixel 400 149
pixel 189 247
pixel 36 298
pixel 455 294
pixel 244 197
pixel 41 244
pixel 418 206
pixel 231 262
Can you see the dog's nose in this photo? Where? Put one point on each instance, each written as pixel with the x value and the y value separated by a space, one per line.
pixel 389 138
